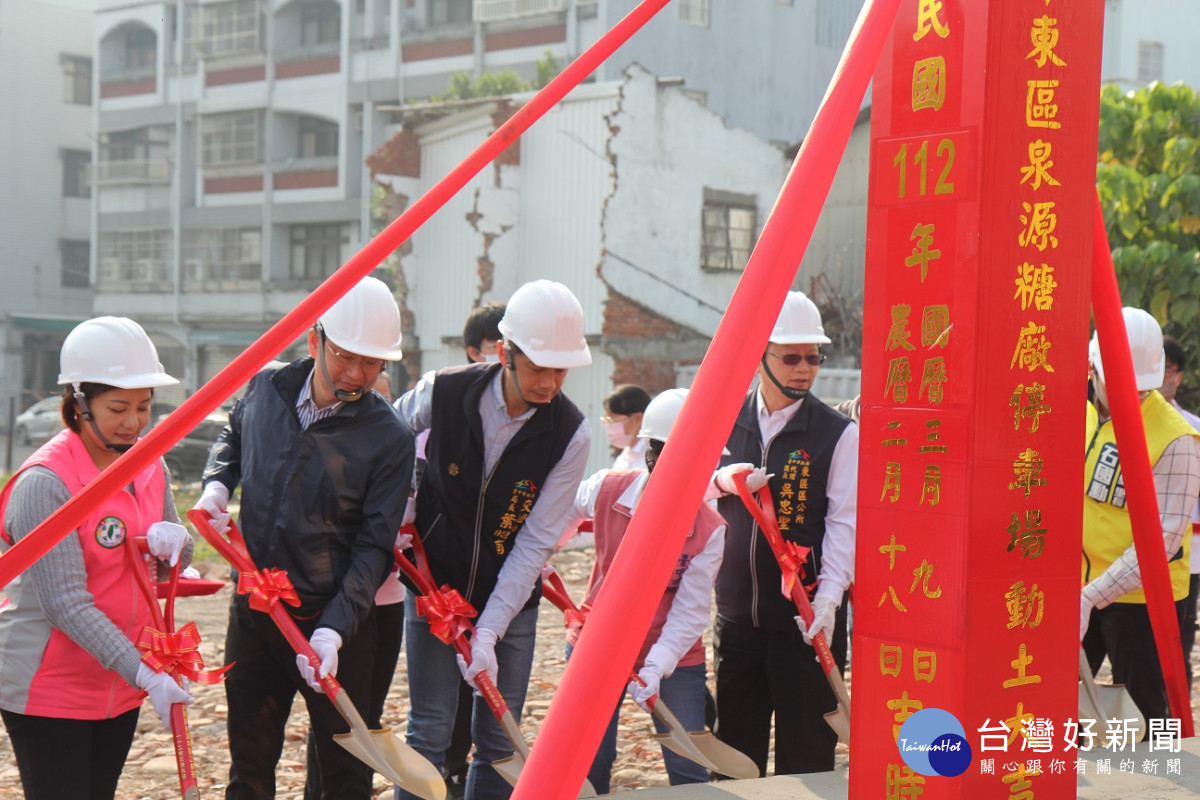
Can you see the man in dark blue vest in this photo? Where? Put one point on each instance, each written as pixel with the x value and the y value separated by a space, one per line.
pixel 505 454
pixel 764 661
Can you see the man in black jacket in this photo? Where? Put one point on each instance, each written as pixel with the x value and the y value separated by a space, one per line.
pixel 505 455
pixel 324 464
pixel 765 663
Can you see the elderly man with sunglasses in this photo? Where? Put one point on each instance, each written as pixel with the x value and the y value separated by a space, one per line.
pixel 324 465
pixel 807 453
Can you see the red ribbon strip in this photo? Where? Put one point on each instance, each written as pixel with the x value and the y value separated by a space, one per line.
pixel 448 613
pixel 177 652
pixel 791 557
pixel 266 588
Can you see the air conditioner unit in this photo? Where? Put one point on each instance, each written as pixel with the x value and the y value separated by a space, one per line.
pixel 194 269
pixel 110 270
pixel 145 270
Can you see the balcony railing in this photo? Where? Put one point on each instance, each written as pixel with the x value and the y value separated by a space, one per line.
pixel 139 171
pixel 495 10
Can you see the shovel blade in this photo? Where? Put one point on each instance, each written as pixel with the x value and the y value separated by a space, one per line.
pixel 391 758
pixel 839 720
pixel 708 751
pixel 510 769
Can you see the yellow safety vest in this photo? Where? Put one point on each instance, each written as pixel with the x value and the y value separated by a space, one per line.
pixel 1107 531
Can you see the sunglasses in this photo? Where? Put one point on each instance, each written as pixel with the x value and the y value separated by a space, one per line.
pixel 795 359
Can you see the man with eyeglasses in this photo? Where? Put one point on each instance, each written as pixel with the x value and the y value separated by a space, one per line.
pixel 324 466
pixel 765 663
pixel 505 455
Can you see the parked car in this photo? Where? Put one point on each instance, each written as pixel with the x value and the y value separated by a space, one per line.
pixel 187 458
pixel 39 422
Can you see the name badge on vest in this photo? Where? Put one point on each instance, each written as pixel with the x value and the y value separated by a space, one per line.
pixel 110 532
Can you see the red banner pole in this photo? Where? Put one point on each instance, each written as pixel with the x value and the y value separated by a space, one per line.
pixel 1139 479
pixel 606 650
pixel 193 410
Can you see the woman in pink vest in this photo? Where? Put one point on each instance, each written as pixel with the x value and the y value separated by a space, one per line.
pixel 71 679
pixel 671 662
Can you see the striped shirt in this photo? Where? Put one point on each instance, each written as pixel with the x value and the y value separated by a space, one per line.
pixel 307 409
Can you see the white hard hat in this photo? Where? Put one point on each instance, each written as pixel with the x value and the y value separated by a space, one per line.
pixel 799 322
pixel 365 321
pixel 114 351
pixel 659 417
pixel 1145 345
pixel 545 321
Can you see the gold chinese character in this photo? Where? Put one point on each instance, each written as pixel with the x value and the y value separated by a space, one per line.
pixel 1031 537
pixel 922 575
pixel 933 378
pixel 905 707
pixel 1039 222
pixel 928 20
pixel 901 783
pixel 935 326
pixel 922 253
pixel 1035 286
pixel 1040 108
pixel 899 375
pixel 898 335
pixel 1027 468
pixel 1019 786
pixel 891 482
pixel 891 660
pixel 932 488
pixel 1028 402
pixel 1025 605
pixel 929 83
pixel 1038 169
pixel 1018 722
pixel 924 665
pixel 1019 663
pixel 932 435
pixel 1032 350
pixel 1044 36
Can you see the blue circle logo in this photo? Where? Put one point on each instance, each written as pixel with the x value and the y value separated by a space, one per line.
pixel 933 742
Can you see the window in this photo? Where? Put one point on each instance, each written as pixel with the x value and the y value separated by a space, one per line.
pixel 75 254
pixel 318 138
pixel 694 12
pixel 318 250
pixel 75 173
pixel 319 23
pixel 77 80
pixel 141 49
pixel 133 256
pixel 230 28
pixel 222 254
pixel 1150 62
pixel 450 12
pixel 729 222
pixel 235 138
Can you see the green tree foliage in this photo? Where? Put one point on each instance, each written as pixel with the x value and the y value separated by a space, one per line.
pixel 1149 183
pixel 498 84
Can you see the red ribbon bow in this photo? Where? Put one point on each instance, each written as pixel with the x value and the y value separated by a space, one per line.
pixel 575 617
pixel 448 613
pixel 177 652
pixel 791 564
pixel 266 588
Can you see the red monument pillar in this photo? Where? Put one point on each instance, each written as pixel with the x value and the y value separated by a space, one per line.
pixel 983 137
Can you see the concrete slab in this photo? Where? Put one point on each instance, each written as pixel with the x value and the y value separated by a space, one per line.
pixel 1136 781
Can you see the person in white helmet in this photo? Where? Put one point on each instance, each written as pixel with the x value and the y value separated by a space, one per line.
pixel 324 466
pixel 671 662
pixel 505 454
pixel 765 663
pixel 73 679
pixel 1113 620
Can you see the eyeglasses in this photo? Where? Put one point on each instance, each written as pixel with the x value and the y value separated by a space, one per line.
pixel 346 362
pixel 609 420
pixel 794 359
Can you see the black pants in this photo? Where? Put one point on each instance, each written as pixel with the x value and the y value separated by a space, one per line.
pixel 1187 625
pixel 389 634
pixel 77 758
pixel 1122 632
pixel 259 691
pixel 763 672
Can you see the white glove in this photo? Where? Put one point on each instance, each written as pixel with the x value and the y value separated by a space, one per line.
pixel 325 642
pixel 190 572
pixel 163 690
pixel 1085 614
pixel 213 501
pixel 166 540
pixel 483 657
pixel 642 694
pixel 754 481
pixel 824 608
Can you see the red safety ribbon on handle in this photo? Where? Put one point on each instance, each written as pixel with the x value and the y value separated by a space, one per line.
pixel 266 588
pixel 447 611
pixel 177 652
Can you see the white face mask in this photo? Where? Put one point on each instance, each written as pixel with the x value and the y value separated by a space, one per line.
pixel 491 358
pixel 617 437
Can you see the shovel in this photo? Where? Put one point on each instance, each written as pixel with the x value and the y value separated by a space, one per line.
pixel 699 746
pixel 378 749
pixel 1104 703
pixel 785 554
pixel 437 603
